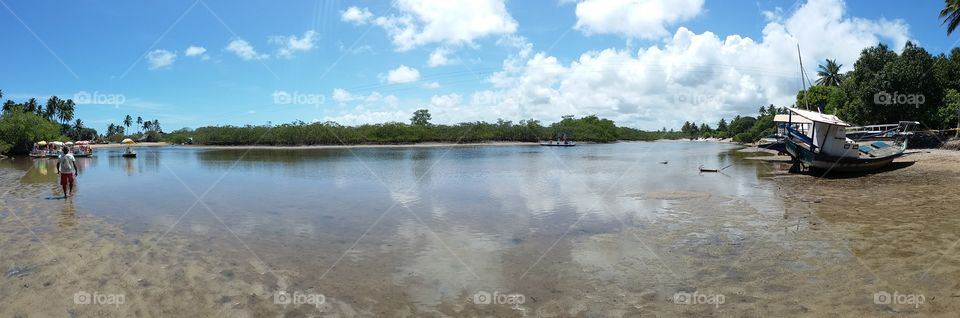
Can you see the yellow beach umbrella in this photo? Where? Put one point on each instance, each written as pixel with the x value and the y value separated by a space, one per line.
pixel 41 143
pixel 127 141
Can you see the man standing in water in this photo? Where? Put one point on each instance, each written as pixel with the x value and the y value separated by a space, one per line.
pixel 67 168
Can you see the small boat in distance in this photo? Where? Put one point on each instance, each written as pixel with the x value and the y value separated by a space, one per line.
pixel 81 149
pixel 54 149
pixel 560 142
pixel 129 153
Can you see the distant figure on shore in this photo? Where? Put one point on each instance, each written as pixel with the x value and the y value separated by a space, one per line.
pixel 67 168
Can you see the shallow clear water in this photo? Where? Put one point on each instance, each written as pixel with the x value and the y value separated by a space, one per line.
pixel 273 189
pixel 427 227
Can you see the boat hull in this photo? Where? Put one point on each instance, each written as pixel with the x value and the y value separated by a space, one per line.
pixel 558 145
pixel 828 163
pixel 775 146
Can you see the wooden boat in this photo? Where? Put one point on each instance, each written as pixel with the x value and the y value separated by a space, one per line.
pixel 558 144
pixel 702 169
pixel 83 155
pixel 132 154
pixel 823 144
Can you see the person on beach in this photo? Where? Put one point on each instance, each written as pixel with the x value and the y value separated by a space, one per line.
pixel 67 168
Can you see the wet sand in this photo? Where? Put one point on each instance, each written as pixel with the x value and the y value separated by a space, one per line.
pixel 822 248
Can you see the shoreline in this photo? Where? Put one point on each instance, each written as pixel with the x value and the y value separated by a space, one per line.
pixel 416 145
pixel 142 144
pixel 408 145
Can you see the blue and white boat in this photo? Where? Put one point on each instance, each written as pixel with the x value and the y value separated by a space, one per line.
pixel 820 141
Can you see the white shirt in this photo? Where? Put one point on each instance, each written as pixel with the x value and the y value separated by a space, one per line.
pixel 67 163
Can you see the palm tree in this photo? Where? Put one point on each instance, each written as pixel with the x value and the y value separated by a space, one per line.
pixel 146 125
pixel 111 129
pixel 156 125
pixel 78 127
pixel 64 109
pixel 50 111
pixel 127 121
pixel 950 15
pixel 53 104
pixel 9 105
pixel 139 122
pixel 31 105
pixel 830 74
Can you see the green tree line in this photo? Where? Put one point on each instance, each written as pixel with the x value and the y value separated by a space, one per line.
pixel 588 128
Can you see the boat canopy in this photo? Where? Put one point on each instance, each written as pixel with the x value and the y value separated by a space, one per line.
pixel 784 118
pixel 818 117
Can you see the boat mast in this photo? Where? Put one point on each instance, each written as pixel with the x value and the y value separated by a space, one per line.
pixel 802 79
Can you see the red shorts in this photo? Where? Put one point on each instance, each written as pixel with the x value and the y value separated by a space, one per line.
pixel 66 178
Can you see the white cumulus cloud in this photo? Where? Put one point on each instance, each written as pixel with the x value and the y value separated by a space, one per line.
pixel 439 57
pixel 689 76
pixel 292 44
pixel 356 15
pixel 643 19
pixel 244 50
pixel 344 97
pixel 196 51
pixel 160 59
pixel 400 75
pixel 422 22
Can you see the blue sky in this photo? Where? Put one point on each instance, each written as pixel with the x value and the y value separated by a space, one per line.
pixel 647 64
